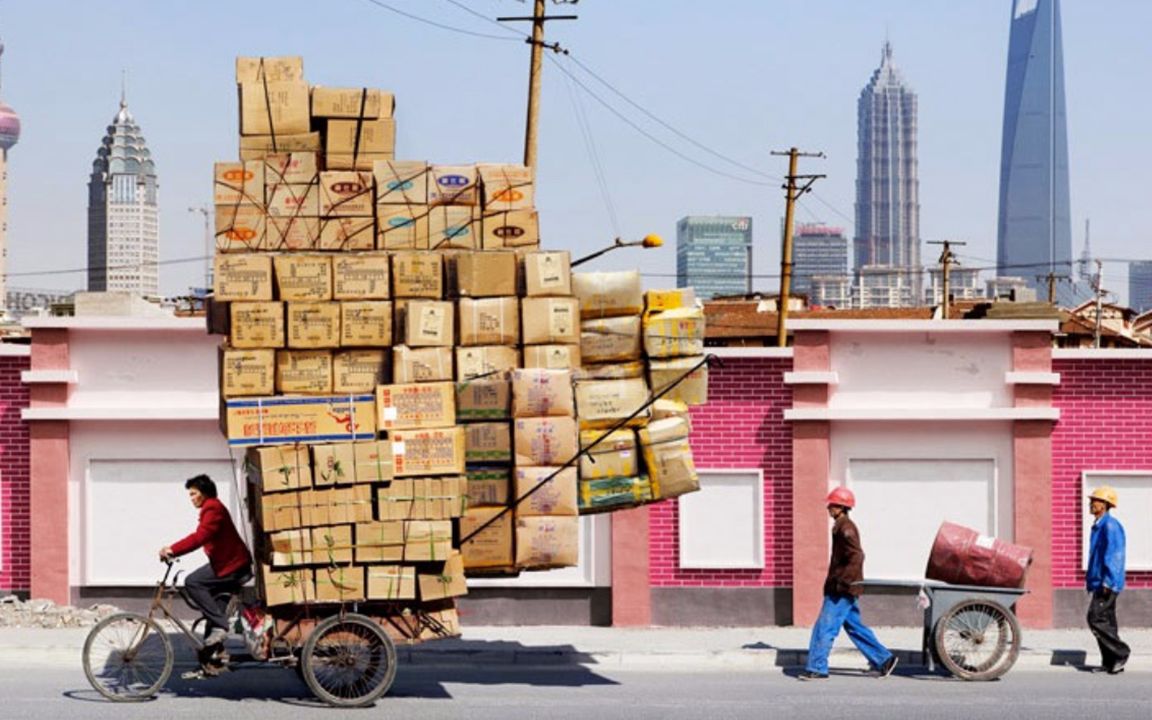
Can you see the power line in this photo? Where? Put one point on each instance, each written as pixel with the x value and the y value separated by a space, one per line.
pixel 108 268
pixel 593 156
pixel 433 23
pixel 485 18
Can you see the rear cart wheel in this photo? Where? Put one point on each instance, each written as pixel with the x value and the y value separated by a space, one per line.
pixel 127 657
pixel 348 661
pixel 978 640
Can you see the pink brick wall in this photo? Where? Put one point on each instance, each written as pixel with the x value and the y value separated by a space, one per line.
pixel 1105 424
pixel 743 427
pixel 14 478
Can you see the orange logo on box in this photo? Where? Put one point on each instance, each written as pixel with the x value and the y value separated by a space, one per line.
pixel 241 234
pixel 508 195
pixel 238 175
pixel 508 231
pixel 347 188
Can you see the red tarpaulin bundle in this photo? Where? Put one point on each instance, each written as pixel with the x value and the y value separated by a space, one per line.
pixel 963 556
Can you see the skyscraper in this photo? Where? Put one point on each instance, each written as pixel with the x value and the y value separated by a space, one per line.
pixel 714 254
pixel 1140 285
pixel 1034 233
pixel 887 183
pixel 9 134
pixel 818 251
pixel 123 218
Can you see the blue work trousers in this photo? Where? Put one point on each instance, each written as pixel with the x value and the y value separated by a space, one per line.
pixel 842 611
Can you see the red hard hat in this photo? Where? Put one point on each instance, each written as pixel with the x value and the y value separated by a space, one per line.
pixel 842 496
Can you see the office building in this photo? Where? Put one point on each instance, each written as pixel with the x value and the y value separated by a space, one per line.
pixel 9 135
pixel 819 251
pixel 714 255
pixel 1140 285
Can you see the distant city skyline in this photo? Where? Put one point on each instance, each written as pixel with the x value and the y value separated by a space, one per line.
pixel 713 254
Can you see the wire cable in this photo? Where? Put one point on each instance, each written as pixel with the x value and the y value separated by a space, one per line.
pixel 593 155
pixel 433 23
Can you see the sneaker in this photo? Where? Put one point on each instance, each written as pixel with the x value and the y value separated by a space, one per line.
pixel 809 675
pixel 888 666
pixel 1118 667
pixel 216 637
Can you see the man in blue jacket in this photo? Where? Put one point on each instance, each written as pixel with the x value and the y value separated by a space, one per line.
pixel 1105 579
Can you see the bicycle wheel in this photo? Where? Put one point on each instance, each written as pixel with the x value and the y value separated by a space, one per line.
pixel 348 661
pixel 127 657
pixel 978 640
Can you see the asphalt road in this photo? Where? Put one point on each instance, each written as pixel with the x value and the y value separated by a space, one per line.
pixel 585 693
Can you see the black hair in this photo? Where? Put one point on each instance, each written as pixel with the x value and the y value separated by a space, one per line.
pixel 203 483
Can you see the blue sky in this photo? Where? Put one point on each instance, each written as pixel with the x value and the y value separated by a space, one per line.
pixel 741 78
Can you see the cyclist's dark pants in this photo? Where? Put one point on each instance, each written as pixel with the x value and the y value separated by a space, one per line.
pixel 204 586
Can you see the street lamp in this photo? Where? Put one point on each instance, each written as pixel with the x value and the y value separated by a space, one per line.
pixel 649 241
pixel 206 211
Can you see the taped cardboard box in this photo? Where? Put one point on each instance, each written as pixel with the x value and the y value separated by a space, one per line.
pixel 416 405
pixel 366 323
pixel 507 187
pixel 304 372
pixel 377 141
pixel 245 373
pixel 487 487
pixel 453 227
pixel 274 107
pixel 661 300
pixel 668 457
pixel 453 185
pixel 281 420
pixel 401 182
pixel 552 357
pixel 279 468
pixel 438 498
pixel 364 103
pixel 492 546
pixel 484 399
pixel 674 333
pixel 547 274
pixel 345 234
pixel 290 168
pixel 338 505
pixel 547 542
pixel 333 464
pixel 243 277
pixel 313 325
pixel 692 390
pixel 484 275
pixel 485 361
pixel 391 582
pixel 608 294
pixel 427 540
pixel 379 542
pixel 489 442
pixel 340 584
pixel 437 451
pixel 288 548
pixel 489 321
pixel 412 365
pixel 288 587
pixel 396 501
pixel 429 323
pixel 239 228
pixel 611 371
pixel 292 233
pixel 665 408
pixel 346 193
pixel 272 69
pixel 418 275
pixel 364 276
pixel 238 183
pixel 293 200
pixel 445 581
pixel 258 147
pixel 604 403
pixel 510 229
pixel 332 544
pixel 612 493
pixel 256 325
pixel 550 321
pixel 303 277
pixel 611 455
pixel 373 461
pixel 359 371
pixel 538 392
pixel 544 441
pixel 545 491
pixel 615 339
pixel 402 227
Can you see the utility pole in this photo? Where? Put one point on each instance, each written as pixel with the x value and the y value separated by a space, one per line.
pixel 206 211
pixel 1099 288
pixel 1051 278
pixel 538 45
pixel 947 257
pixel 792 192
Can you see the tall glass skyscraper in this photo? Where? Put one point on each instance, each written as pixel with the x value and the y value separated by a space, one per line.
pixel 714 254
pixel 1140 285
pixel 1034 234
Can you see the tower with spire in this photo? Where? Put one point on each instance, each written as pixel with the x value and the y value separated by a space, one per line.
pixel 9 135
pixel 123 216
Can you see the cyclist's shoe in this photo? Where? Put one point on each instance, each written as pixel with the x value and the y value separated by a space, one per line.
pixel 216 637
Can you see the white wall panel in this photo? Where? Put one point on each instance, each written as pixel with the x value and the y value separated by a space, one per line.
pixel 722 525
pixel 1133 512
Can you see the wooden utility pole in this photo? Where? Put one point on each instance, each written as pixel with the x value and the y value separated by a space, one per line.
pixel 538 45
pixel 1051 278
pixel 793 191
pixel 1099 288
pixel 947 258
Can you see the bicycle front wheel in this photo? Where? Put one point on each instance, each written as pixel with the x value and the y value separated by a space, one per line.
pixel 127 657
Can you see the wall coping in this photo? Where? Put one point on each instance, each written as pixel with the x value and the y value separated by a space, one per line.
pixel 921 413
pixel 749 352
pixel 1101 354
pixel 972 326
pixel 15 350
pixel 118 322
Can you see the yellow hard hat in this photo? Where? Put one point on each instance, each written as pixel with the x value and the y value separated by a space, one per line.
pixel 1105 494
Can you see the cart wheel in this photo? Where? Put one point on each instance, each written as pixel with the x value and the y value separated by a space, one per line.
pixel 348 661
pixel 978 640
pixel 127 657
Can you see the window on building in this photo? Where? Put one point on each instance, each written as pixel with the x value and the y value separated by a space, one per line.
pixel 722 525
pixel 1135 491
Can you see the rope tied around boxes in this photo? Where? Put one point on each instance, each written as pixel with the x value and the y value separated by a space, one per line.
pixel 268 105
pixel 708 360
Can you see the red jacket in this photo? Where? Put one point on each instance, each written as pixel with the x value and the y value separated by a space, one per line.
pixel 216 533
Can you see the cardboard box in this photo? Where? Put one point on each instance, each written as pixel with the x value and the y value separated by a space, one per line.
pixel 489 321
pixel 290 168
pixel 366 323
pixel 418 275
pixel 339 505
pixel 310 546
pixel 483 274
pixel 333 464
pixel 611 371
pixel 392 582
pixel 355 161
pixel 547 542
pixel 487 487
pixel 274 107
pixel 256 325
pixel 359 371
pixel 332 544
pixel 280 467
pixel 453 227
pixel 552 357
pixel 485 361
pixel 489 442
pixel 288 587
pixel 547 274
pixel 550 320
pixel 258 147
pixel 358 145
pixel 245 373
pixel 217 316
pixel 492 546
pixel 668 457
pixel 238 183
pixel 484 399
pixel 347 233
pixel 292 233
pixel 363 103
pixel 615 339
pixel 243 277
pixel 402 227
pixel 272 69
pixel 438 451
pixel 346 193
pixel 373 461
pixel 281 511
pixel 445 581
pixel 411 365
pixel 340 584
pixel 545 491
pixel 609 493
pixel 278 420
pixel 427 540
pixel 692 390
pixel 303 277
pixel 305 372
pixel 674 333
pixel 364 276
pixel 379 542
pixel 611 455
pixel 313 325
pixel 665 408
pixel 538 392
pixel 604 403
pixel 510 229
pixel 419 405
pixel 429 323
pixel 401 182
pixel 453 185
pixel 544 441
pixel 447 621
pixel 396 501
pixel 287 200
pixel 239 228
pixel 438 498
pixel 660 300
pixel 608 294
pixel 507 187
